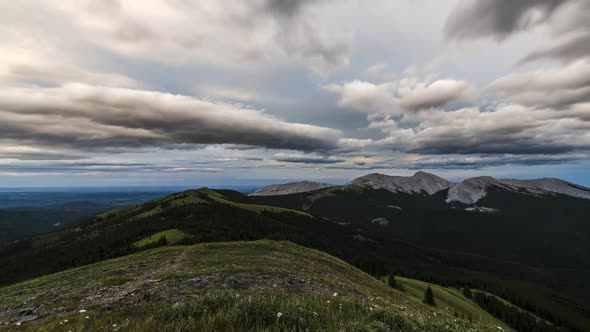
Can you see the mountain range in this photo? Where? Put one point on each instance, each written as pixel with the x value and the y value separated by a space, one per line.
pixel 526 241
pixel 469 191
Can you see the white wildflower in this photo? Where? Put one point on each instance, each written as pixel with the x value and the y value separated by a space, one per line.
pixel 82 311
pixel 315 314
pixel 18 323
pixel 279 314
pixel 86 317
pixel 335 294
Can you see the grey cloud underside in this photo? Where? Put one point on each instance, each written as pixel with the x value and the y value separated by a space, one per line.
pixel 547 88
pixel 93 118
pixel 436 94
pixel 121 168
pixel 303 159
pixel 39 155
pixel 286 7
pixel 570 50
pixel 462 162
pixel 495 144
pixel 497 18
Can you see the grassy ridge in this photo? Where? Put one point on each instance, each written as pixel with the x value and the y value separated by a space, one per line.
pixel 451 299
pixel 234 286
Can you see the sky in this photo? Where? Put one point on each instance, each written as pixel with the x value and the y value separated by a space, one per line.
pixel 249 92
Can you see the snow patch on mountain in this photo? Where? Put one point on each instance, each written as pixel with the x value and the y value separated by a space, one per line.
pixel 380 221
pixel 419 183
pixel 290 188
pixel 482 209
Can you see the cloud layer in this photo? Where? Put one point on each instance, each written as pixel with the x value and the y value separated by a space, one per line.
pixel 267 88
pixel 498 18
pixel 95 118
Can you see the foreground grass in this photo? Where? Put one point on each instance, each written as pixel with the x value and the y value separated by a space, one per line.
pixel 227 311
pixel 234 286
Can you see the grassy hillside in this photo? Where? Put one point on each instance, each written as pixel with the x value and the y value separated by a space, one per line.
pixel 234 286
pixel 451 299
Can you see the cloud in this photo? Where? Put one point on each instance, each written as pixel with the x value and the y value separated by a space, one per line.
pixel 572 49
pixel 471 162
pixel 84 117
pixel 218 92
pixel 23 152
pixel 551 87
pixel 435 94
pixel 498 18
pixel 102 167
pixel 485 161
pixel 61 74
pixel 231 33
pixel 306 159
pixel 367 97
pixel 378 73
pixel 392 98
pixel 511 129
pixel 288 8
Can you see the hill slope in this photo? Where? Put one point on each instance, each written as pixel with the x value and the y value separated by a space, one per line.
pixel 261 285
pixel 290 188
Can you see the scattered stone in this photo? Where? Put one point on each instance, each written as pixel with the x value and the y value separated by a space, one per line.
pixel 380 221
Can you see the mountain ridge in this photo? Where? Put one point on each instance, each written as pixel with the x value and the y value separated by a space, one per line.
pixel 468 191
pixel 419 183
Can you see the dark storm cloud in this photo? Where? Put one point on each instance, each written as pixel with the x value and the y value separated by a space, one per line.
pixel 497 18
pixel 97 118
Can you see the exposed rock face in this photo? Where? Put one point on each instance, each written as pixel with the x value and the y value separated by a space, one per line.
pixel 473 189
pixel 290 188
pixel 419 183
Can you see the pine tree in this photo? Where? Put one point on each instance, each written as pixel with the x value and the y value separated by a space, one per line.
pixel 429 296
pixel 467 292
pixel 391 281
